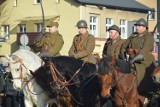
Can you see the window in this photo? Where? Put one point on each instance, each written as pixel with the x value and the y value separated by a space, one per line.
pixel 22 28
pixel 109 23
pixel 39 27
pixel 94 25
pixel 5 31
pixel 15 3
pixel 123 29
pixel 151 15
pixel 37 1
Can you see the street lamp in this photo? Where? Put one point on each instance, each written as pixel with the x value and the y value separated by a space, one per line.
pixel 43 22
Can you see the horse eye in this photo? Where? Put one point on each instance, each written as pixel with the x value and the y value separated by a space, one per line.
pixel 17 69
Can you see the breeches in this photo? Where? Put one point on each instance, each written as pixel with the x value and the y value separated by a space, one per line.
pixel 140 68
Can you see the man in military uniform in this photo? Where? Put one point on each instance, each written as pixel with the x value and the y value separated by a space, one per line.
pixel 83 44
pixel 51 43
pixel 113 43
pixel 139 47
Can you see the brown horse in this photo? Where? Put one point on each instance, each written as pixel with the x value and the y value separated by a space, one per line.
pixel 124 84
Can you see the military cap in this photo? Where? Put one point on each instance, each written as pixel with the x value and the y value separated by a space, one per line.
pixel 82 24
pixel 141 22
pixel 53 24
pixel 115 27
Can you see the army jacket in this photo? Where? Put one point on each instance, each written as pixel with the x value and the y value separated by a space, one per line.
pixel 144 42
pixel 112 47
pixel 51 42
pixel 82 47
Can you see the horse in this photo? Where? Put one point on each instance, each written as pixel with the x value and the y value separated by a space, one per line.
pixel 71 82
pixel 124 84
pixel 20 63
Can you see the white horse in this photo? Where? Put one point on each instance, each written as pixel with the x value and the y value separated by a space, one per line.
pixel 21 62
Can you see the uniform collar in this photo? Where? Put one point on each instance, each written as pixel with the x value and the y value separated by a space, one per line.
pixel 84 35
pixel 139 34
pixel 142 34
pixel 115 40
pixel 55 33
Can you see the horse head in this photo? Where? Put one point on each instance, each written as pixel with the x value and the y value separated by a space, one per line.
pixel 156 75
pixel 105 75
pixel 21 62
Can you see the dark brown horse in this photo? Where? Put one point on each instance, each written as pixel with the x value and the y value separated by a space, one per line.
pixel 124 84
pixel 70 82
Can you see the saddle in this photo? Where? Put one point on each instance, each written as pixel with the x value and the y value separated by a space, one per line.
pixel 124 65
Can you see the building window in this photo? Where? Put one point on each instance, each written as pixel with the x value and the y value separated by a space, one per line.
pixel 39 27
pixel 94 25
pixel 151 15
pixel 109 23
pixel 5 31
pixel 22 28
pixel 15 3
pixel 123 29
pixel 37 1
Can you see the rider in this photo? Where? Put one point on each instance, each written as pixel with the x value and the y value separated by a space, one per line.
pixel 51 43
pixel 83 44
pixel 139 48
pixel 113 43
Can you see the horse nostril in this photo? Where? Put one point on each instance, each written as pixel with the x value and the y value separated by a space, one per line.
pixel 153 78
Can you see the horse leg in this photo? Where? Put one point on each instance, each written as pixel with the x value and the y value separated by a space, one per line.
pixel 41 100
pixel 28 102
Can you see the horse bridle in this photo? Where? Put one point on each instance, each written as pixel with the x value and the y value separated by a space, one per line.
pixel 63 83
pixel 21 76
pixel 21 68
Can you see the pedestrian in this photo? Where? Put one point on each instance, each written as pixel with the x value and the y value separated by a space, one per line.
pixel 51 43
pixel 83 44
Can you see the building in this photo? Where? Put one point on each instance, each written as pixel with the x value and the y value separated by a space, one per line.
pixel 99 14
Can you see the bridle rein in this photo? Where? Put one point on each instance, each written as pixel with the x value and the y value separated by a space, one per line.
pixel 56 75
pixel 23 79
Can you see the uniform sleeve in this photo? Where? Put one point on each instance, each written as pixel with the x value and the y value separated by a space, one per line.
pixel 125 45
pixel 40 42
pixel 56 45
pixel 72 50
pixel 37 46
pixel 118 47
pixel 148 45
pixel 88 49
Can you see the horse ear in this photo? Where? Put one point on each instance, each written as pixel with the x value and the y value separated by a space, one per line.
pixel 31 72
pixel 7 57
pixel 14 57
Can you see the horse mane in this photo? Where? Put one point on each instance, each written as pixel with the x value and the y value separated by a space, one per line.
pixel 104 66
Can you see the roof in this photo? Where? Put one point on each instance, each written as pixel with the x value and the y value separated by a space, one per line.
pixel 131 5
pixel 38 18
